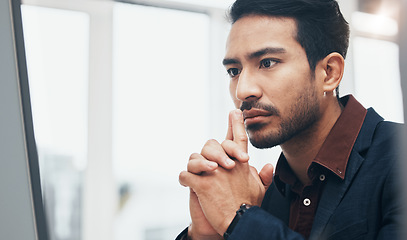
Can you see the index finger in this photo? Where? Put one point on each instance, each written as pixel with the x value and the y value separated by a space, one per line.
pixel 236 129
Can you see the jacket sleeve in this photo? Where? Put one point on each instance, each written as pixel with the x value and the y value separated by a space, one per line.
pixel 258 224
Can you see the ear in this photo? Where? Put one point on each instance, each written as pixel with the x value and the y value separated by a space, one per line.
pixel 333 66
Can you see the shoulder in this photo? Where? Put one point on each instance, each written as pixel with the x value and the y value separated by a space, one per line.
pixel 384 151
pixel 390 129
pixel 376 132
pixel 379 143
pixel 388 135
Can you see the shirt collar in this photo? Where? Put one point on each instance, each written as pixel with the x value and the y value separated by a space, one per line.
pixel 283 174
pixel 336 149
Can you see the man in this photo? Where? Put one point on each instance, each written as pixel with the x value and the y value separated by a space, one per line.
pixel 335 178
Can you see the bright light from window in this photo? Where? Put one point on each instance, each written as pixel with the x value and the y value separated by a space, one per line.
pixel 161 66
pixel 374 24
pixel 209 3
pixel 377 77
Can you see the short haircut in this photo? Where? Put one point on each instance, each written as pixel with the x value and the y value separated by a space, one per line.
pixel 321 27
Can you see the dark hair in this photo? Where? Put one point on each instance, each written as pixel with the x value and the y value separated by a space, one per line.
pixel 321 28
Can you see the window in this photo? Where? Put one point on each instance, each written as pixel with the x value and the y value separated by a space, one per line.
pixel 160 114
pixel 376 57
pixel 377 77
pixel 57 58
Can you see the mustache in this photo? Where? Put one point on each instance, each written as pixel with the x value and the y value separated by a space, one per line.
pixel 255 104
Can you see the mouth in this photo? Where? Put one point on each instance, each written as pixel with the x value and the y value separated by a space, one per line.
pixel 253 116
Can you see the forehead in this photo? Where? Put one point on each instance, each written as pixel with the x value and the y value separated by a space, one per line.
pixel 252 32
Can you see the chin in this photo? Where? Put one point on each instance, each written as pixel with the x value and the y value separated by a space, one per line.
pixel 262 144
pixel 262 139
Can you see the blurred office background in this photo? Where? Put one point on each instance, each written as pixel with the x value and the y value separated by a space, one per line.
pixel 123 92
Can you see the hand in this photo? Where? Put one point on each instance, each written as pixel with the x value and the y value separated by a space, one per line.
pixel 233 147
pixel 236 143
pixel 213 154
pixel 220 192
pixel 200 228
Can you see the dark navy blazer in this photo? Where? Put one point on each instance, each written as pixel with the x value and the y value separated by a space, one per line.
pixel 364 205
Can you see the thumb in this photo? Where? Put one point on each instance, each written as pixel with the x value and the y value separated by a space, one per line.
pixel 266 175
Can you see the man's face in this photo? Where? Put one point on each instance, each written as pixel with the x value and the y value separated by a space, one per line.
pixel 271 80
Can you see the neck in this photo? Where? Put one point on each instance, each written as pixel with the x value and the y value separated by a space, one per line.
pixel 302 149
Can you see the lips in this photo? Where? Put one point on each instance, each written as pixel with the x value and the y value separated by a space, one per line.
pixel 253 114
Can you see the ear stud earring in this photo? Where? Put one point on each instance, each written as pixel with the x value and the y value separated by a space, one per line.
pixel 333 93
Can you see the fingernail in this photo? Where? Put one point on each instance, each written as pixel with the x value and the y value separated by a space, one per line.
pixel 212 165
pixel 229 161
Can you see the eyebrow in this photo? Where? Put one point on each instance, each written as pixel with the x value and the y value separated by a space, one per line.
pixel 256 54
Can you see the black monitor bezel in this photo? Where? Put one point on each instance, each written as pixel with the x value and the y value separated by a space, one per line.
pixel 34 171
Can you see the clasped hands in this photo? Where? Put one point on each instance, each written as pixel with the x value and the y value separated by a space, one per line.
pixel 220 180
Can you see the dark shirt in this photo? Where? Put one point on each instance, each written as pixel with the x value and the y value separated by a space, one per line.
pixel 331 161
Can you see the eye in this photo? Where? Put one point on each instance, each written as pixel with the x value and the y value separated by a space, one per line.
pixel 233 72
pixel 268 63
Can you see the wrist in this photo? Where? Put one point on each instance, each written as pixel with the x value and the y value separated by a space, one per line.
pixel 194 235
pixel 239 214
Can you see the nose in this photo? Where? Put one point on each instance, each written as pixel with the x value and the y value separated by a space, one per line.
pixel 248 88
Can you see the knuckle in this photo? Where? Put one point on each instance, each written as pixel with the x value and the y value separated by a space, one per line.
pixel 226 143
pixel 253 169
pixel 181 177
pixel 241 138
pixel 211 142
pixel 203 164
pixel 210 147
pixel 194 156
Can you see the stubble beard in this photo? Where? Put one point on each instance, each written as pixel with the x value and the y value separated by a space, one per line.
pixel 303 114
